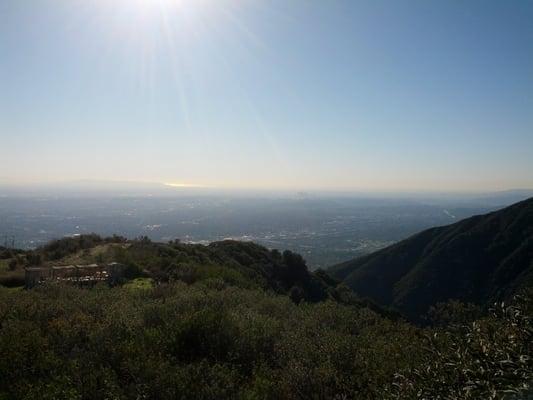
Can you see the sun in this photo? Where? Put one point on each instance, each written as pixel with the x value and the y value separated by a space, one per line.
pixel 158 3
pixel 138 20
pixel 150 5
pixel 148 8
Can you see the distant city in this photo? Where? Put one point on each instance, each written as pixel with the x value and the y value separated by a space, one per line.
pixel 325 230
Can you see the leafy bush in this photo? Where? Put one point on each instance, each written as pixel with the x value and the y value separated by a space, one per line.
pixel 13 278
pixel 210 340
pixel 490 358
pixel 178 341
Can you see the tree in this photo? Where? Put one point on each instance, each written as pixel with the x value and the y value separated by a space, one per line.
pixel 296 294
pixel 296 267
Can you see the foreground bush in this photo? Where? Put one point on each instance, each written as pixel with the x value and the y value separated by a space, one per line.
pixel 12 279
pixel 192 342
pixel 490 358
pixel 211 341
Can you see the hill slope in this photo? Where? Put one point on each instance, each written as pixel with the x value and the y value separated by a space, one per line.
pixel 226 263
pixel 478 259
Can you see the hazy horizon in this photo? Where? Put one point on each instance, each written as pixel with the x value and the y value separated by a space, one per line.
pixel 268 95
pixel 95 185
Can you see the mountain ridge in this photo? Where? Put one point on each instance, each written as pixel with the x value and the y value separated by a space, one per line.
pixel 478 259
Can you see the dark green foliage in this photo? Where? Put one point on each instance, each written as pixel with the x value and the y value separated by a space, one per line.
pixel 5 253
pixel 490 358
pixel 13 264
pixel 480 259
pixel 235 320
pixel 295 268
pixel 201 341
pixel 453 313
pixel 14 278
pixel 241 264
pixel 190 342
pixel 296 294
pixel 57 249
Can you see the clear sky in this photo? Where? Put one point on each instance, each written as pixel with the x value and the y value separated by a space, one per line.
pixel 303 94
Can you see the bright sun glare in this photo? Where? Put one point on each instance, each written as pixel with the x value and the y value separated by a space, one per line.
pixel 155 3
pixel 151 5
pixel 140 9
pixel 142 14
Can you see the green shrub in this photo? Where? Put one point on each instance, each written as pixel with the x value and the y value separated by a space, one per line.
pixel 13 278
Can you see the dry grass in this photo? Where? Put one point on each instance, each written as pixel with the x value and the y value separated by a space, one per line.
pixel 101 253
pixel 4 265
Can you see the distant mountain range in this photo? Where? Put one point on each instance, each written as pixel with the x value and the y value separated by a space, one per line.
pixel 88 187
pixel 478 259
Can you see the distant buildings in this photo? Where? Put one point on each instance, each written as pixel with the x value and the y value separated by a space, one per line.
pixel 83 275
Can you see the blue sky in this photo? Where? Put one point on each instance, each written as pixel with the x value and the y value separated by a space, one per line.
pixel 386 95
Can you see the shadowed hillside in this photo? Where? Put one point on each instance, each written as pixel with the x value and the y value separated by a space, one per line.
pixel 478 259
